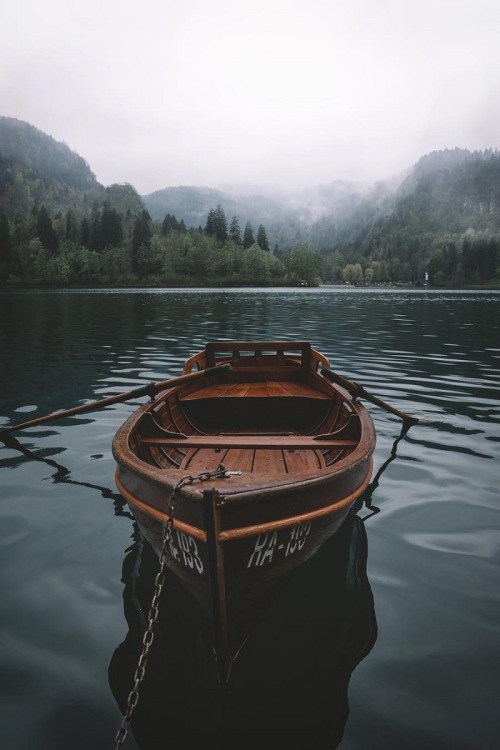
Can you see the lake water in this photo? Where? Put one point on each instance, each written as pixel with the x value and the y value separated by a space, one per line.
pixel 390 640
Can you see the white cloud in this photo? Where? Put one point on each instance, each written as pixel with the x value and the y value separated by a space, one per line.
pixel 285 91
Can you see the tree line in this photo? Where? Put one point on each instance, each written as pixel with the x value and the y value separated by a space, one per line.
pixel 109 248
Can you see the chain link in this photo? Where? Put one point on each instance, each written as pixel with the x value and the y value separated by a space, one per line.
pixel 149 635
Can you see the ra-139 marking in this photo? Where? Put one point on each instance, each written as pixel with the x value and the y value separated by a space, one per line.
pixel 272 544
pixel 184 550
pixel 269 547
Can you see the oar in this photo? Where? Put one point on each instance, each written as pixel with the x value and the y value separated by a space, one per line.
pixel 357 390
pixel 147 390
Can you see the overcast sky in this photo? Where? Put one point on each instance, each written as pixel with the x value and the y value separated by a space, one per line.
pixel 276 92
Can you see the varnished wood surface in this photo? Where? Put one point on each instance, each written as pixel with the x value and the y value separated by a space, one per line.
pixel 274 388
pixel 281 442
pixel 286 432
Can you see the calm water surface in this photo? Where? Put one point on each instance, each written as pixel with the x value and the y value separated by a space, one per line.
pixel 391 639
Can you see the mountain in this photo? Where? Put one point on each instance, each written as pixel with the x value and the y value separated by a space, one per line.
pixel 442 216
pixel 36 169
pixel 191 204
pixel 288 217
pixel 446 193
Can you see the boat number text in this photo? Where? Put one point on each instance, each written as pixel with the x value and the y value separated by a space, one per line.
pixel 268 546
pixel 184 550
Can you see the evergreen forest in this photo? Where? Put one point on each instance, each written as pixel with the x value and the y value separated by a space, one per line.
pixel 437 224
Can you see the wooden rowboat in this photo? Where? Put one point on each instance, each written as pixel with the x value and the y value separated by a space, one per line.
pixel 237 477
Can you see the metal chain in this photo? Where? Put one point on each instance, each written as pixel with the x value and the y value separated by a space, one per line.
pixel 149 635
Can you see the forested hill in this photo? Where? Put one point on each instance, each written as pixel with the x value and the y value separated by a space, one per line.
pixel 324 215
pixel 444 220
pixel 36 169
pixel 449 191
pixel 446 192
pixel 58 224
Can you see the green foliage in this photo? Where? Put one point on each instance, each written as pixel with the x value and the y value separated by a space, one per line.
pixel 444 220
pixel 256 268
pixel 35 169
pixel 304 265
pixel 5 248
pixel 248 238
pixel 59 226
pixel 170 224
pixel 235 231
pixel 353 274
pixel 5 240
pixel 192 205
pixel 141 237
pixel 216 225
pixel 45 231
pixel 111 227
pixel 262 238
pixel 124 199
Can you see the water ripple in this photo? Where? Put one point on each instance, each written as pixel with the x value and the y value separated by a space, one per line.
pixel 478 543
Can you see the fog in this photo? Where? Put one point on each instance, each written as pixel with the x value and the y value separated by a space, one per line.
pixel 282 93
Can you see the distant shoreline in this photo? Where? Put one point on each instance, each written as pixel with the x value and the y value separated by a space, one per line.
pixel 75 287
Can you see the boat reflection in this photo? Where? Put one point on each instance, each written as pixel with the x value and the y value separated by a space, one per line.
pixel 288 687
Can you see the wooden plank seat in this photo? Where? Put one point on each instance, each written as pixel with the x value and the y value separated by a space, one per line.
pixel 258 389
pixel 280 442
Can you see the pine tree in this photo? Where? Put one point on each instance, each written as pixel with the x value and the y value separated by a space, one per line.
pixel 45 231
pixel 5 241
pixel 210 226
pixel 141 236
pixel 85 233
pixel 96 240
pixel 170 224
pixel 72 229
pixel 248 238
pixel 111 227
pixel 235 231
pixel 216 225
pixel 220 224
pixel 262 238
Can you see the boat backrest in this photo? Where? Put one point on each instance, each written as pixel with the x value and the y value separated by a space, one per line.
pixel 261 354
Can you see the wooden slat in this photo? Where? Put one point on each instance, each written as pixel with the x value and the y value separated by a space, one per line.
pixel 293 388
pixel 303 461
pixel 250 441
pixel 269 462
pixel 203 460
pixel 239 459
pixel 211 391
pixel 276 388
pixel 257 389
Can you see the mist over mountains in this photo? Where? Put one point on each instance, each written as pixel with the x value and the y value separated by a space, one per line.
pixel 420 219
pixel 36 169
pixel 445 192
pixel 289 217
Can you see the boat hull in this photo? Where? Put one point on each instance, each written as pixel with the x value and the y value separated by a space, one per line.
pixel 249 475
pixel 255 559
